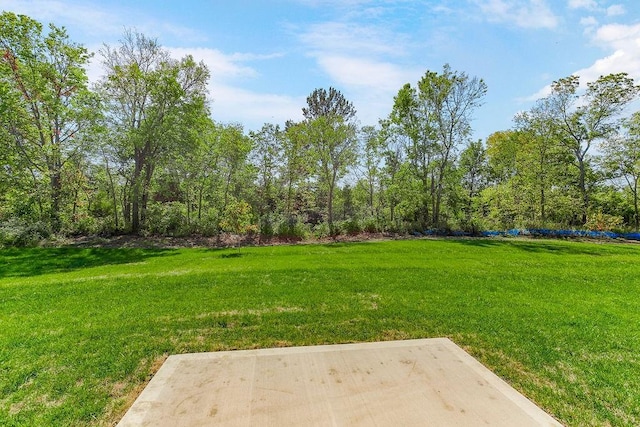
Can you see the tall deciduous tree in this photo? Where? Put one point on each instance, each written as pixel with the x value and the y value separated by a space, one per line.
pixel 542 158
pixel 585 119
pixel 394 160
pixel 296 168
pixel 450 99
pixel 267 157
pixel 371 164
pixel 410 123
pixel 154 104
pixel 436 117
pixel 46 104
pixel 332 135
pixel 474 178
pixel 622 160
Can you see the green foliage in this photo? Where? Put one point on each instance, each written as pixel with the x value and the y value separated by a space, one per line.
pixel 371 225
pixel 157 108
pixel 435 118
pixel 20 233
pixel 621 161
pixel 322 230
pixel 46 106
pixel 292 229
pixel 140 153
pixel 208 223
pixel 332 137
pixel 583 120
pixel 600 221
pixel 238 218
pixel 350 227
pixel 167 219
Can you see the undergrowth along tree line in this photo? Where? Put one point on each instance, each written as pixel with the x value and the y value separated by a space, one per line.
pixel 138 152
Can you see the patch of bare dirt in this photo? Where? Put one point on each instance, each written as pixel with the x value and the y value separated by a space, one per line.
pixel 225 240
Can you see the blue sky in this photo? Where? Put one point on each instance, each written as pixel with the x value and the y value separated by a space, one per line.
pixel 267 56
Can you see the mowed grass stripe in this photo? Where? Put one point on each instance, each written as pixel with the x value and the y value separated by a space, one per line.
pixel 82 329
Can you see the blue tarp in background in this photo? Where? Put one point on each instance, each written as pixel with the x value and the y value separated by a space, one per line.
pixel 536 232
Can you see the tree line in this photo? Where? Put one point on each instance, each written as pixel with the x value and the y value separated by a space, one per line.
pixel 138 152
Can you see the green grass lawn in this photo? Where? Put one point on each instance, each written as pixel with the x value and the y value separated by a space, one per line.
pixel 82 330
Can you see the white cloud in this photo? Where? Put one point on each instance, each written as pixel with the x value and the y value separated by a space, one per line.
pixel 583 4
pixel 619 36
pixel 623 43
pixel 542 93
pixel 365 73
pixel 363 61
pixel 521 13
pixel 345 37
pixel 99 22
pixel 221 66
pixel 589 21
pixel 233 104
pixel 90 18
pixel 618 61
pixel 616 10
pixel 592 5
pixel 368 83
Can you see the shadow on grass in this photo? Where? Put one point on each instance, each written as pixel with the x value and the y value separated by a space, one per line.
pixel 27 262
pixel 232 255
pixel 550 247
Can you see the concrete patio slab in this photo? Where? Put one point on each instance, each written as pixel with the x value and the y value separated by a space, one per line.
pixel 394 383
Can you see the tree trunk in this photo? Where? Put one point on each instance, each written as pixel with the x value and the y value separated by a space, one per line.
pixel 136 190
pixel 126 205
pixel 200 191
pixel 543 214
pixel 436 209
pixel 583 189
pixel 543 181
pixel 189 206
pixel 112 187
pixel 148 173
pixel 56 190
pixel 54 165
pixel 330 208
pixel 371 191
pixel 635 203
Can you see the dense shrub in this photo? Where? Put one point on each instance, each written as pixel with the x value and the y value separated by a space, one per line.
pixel 15 232
pixel 291 228
pixel 321 230
pixel 599 221
pixel 349 227
pixel 168 219
pixel 370 225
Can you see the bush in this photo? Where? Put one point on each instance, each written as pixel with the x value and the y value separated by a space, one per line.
pixel 88 225
pixel 237 218
pixel 350 227
pixel 370 225
pixel 266 228
pixel 292 229
pixel 169 219
pixel 599 221
pixel 321 230
pixel 15 232
pixel 474 226
pixel 207 225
